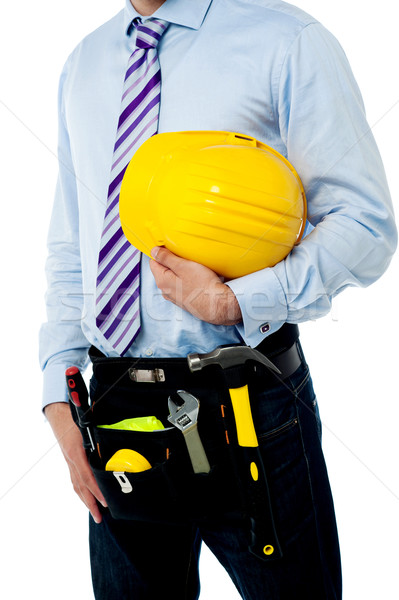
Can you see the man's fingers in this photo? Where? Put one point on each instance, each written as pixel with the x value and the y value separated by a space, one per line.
pixel 90 483
pixel 166 258
pixel 70 440
pixel 92 505
pixel 195 288
pixel 165 277
pixel 85 476
pixel 160 271
pixel 86 488
pixel 90 501
pixel 84 482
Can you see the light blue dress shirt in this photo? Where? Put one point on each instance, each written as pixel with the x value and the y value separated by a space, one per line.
pixel 258 67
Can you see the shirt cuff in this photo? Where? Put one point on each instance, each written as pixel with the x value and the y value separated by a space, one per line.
pixel 54 386
pixel 263 305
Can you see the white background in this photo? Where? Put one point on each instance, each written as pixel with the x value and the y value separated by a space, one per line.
pixel 353 352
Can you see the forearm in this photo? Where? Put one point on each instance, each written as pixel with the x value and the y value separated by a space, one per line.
pixel 59 416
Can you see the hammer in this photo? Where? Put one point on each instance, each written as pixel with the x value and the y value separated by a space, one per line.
pixel 232 359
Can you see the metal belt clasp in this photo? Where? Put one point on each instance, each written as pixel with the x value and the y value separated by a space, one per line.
pixel 147 375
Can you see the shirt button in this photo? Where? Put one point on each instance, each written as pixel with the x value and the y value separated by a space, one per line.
pixel 264 328
pixel 149 352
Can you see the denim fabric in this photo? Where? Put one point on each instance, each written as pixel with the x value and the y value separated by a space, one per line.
pixel 141 561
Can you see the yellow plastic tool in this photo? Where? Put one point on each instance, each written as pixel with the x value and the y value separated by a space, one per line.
pixel 246 433
pixel 136 424
pixel 126 460
pixel 222 199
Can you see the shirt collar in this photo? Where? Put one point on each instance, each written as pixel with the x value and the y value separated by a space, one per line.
pixel 188 13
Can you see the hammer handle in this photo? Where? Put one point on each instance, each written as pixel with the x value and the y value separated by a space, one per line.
pixel 246 433
pixel 264 544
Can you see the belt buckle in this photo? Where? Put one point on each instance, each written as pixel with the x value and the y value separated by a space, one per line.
pixel 147 375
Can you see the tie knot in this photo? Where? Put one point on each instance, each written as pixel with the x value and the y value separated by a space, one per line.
pixel 150 32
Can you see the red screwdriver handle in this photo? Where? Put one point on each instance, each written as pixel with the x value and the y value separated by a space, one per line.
pixel 79 398
pixel 77 389
pixel 71 371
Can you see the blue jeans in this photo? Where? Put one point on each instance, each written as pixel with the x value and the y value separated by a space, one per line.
pixel 147 561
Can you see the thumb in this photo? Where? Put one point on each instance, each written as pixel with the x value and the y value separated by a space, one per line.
pixel 166 258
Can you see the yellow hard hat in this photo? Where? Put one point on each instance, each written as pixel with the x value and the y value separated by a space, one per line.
pixel 222 199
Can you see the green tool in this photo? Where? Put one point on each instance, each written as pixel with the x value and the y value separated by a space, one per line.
pixel 136 424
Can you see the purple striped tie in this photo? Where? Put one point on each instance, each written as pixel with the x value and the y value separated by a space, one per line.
pixel 118 276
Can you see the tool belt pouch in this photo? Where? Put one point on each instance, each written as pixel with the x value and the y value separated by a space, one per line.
pixel 169 489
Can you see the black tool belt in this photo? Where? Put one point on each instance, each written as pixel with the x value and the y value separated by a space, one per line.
pixel 123 388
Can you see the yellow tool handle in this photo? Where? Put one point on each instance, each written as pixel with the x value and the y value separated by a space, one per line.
pixel 243 417
pixel 264 543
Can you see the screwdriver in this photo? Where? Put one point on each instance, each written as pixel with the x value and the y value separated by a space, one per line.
pixel 79 398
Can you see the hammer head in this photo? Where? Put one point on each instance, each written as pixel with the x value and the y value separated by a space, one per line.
pixel 229 356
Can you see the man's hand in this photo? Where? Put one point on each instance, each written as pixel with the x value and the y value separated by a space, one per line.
pixel 195 288
pixel 70 441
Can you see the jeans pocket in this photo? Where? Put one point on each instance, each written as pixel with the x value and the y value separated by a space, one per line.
pixel 287 474
pixel 278 431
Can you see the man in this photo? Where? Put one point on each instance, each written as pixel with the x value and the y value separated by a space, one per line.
pixel 265 69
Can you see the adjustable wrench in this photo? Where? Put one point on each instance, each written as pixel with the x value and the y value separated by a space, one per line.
pixel 185 417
